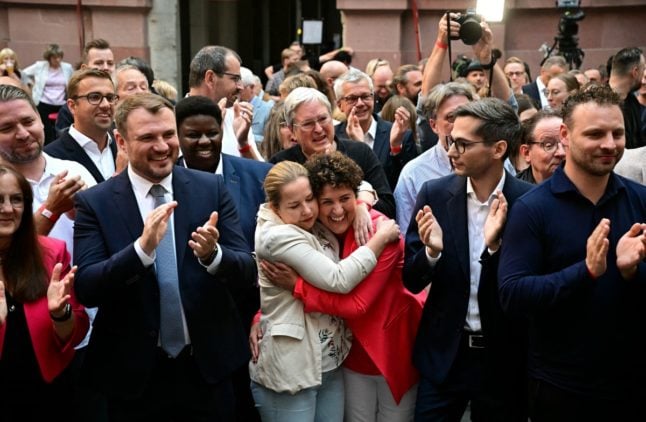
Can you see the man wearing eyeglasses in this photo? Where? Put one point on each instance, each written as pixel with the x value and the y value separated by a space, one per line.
pixel 392 143
pixel 466 349
pixel 91 99
pixel 541 146
pixel 215 74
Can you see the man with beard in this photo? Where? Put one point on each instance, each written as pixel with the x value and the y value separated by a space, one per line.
pixel 541 146
pixel 572 266
pixel 157 248
pixel 53 181
pixel 408 82
pixel 215 74
pixel 625 78
pixel 392 143
pixel 91 99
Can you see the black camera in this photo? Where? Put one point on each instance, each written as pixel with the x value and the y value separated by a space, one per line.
pixel 470 29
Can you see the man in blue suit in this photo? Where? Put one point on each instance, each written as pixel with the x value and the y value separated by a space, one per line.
pixel 167 337
pixel 392 143
pixel 466 350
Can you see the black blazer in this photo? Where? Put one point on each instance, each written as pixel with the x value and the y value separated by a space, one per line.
pixel 361 153
pixel 66 148
pixel 392 164
pixel 445 311
pixel 532 91
pixel 123 346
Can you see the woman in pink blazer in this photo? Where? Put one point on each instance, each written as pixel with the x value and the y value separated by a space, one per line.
pixel 40 322
pixel 380 380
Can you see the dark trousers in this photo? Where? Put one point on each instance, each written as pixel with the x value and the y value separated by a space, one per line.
pixel 44 110
pixel 177 391
pixel 466 383
pixel 548 402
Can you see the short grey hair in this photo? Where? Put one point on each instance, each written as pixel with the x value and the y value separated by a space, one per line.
pixel 122 67
pixel 432 102
pixel 555 61
pixel 498 120
pixel 211 57
pixel 302 95
pixel 247 77
pixel 12 93
pixel 353 76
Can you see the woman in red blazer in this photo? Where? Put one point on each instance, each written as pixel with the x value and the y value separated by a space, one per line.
pixel 380 379
pixel 40 322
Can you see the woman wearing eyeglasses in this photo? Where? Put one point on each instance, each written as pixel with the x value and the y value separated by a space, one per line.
pixel 297 375
pixel 49 78
pixel 40 321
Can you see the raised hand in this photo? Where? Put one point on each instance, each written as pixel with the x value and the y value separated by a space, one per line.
pixel 3 304
pixel 495 222
pixel 387 229
pixel 155 227
pixel 400 125
pixel 242 117
pixel 430 232
pixel 631 250
pixel 204 239
pixel 59 290
pixel 442 33
pixel 597 248
pixel 353 128
pixel 60 198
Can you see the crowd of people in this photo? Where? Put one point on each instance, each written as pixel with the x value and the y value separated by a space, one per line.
pixel 332 245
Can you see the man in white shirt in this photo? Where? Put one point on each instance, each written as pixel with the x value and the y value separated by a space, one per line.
pixel 466 349
pixel 215 74
pixel 91 99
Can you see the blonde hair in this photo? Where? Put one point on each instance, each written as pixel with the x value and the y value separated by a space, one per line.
pixel 373 64
pixel 165 89
pixel 281 174
pixel 9 53
pixel 292 82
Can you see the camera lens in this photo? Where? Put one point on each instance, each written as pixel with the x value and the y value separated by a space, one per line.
pixel 470 31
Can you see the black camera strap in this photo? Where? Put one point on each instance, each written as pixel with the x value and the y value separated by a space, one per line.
pixel 448 37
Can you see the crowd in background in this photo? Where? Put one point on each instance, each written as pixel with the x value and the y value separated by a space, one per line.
pixel 335 244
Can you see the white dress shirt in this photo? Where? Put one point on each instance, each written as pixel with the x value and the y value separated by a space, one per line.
pixel 477 215
pixel 369 137
pixel 146 203
pixel 103 160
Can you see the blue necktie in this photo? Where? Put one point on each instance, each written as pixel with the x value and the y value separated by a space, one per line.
pixel 171 326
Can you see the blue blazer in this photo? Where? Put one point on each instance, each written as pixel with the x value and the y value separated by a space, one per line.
pixel 66 148
pixel 392 164
pixel 445 311
pixel 123 346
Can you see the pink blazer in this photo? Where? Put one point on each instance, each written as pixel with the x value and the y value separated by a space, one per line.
pixel 382 314
pixel 52 355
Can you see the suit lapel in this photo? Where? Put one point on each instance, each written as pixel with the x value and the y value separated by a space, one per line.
pixel 181 214
pixel 231 180
pixel 126 203
pixel 76 153
pixel 382 139
pixel 458 222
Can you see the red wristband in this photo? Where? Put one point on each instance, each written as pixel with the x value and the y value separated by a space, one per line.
pixel 440 44
pixel 42 210
pixel 245 148
pixel 395 150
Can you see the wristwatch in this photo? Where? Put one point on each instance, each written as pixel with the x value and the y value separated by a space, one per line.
pixel 66 315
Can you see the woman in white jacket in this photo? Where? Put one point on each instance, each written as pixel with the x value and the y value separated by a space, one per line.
pixel 49 81
pixel 297 376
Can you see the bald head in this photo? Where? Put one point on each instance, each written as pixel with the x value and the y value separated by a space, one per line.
pixel 331 70
pixel 381 80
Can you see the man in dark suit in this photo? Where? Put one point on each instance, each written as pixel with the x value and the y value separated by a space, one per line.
pixel 551 67
pixel 91 99
pixel 309 115
pixel 466 350
pixel 199 126
pixel 392 143
pixel 167 337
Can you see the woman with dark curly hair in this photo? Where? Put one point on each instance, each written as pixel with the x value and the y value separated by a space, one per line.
pixel 380 380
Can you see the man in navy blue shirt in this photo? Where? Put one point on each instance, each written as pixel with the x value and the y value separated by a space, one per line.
pixel 572 263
